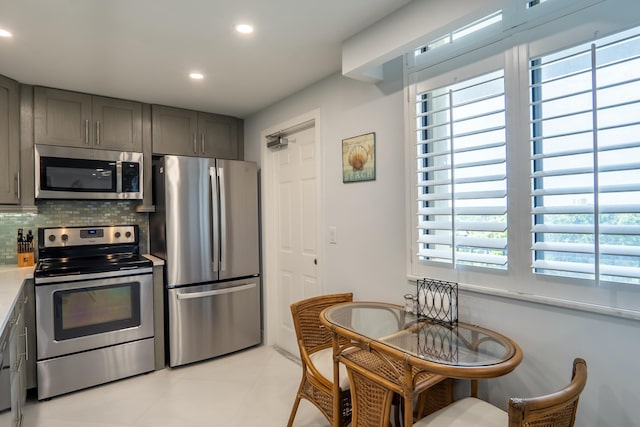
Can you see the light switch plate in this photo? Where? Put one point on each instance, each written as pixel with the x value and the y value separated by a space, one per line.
pixel 333 238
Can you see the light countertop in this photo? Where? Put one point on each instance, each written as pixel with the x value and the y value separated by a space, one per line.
pixel 11 280
pixel 156 260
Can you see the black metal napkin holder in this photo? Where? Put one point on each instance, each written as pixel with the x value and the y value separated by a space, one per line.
pixel 437 301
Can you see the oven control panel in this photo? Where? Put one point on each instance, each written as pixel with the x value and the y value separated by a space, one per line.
pixel 82 236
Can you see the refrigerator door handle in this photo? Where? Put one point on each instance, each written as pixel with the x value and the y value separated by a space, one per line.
pixel 192 295
pixel 214 218
pixel 223 220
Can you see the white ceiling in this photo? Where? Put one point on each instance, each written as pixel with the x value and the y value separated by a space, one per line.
pixel 145 49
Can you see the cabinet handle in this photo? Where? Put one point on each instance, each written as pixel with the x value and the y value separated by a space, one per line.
pixel 202 141
pixel 17 366
pixel 26 343
pixel 86 132
pixel 97 133
pixel 195 144
pixel 18 185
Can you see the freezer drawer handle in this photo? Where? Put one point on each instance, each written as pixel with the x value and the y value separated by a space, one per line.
pixel 216 292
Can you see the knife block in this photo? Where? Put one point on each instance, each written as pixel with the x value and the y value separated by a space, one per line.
pixel 26 259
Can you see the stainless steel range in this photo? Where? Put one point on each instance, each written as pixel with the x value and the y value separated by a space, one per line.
pixel 94 307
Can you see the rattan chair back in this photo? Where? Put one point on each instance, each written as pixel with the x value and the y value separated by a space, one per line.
pixel 376 378
pixel 312 337
pixel 556 409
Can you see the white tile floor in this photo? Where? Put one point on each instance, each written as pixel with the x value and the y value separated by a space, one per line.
pixel 252 388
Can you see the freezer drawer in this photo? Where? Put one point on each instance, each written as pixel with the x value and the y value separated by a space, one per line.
pixel 211 320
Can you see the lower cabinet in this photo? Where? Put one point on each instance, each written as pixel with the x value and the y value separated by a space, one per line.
pixel 13 354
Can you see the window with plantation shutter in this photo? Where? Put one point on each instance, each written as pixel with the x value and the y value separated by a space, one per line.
pixel 461 173
pixel 585 134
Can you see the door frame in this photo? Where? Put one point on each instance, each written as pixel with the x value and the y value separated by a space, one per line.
pixel 270 297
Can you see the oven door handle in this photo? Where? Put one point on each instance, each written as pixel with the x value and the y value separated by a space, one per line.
pixel 214 292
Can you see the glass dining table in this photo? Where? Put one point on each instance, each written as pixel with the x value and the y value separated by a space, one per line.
pixel 458 350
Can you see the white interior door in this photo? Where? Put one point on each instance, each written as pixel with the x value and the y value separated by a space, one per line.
pixel 295 228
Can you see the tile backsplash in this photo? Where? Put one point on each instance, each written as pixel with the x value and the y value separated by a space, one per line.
pixel 61 213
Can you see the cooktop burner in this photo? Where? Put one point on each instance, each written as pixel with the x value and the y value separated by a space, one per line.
pixel 70 251
pixel 90 264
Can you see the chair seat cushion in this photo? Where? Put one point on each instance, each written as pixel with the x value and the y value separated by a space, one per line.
pixel 466 412
pixel 323 361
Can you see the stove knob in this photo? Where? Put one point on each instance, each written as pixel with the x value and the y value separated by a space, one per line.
pixel 64 237
pixel 52 237
pixel 127 234
pixel 117 234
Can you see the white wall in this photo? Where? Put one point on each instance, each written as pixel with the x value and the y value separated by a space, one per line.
pixel 364 214
pixel 369 258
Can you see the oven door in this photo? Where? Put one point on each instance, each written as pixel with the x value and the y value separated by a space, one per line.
pixel 77 316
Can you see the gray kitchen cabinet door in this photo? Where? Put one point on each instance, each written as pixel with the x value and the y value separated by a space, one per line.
pixel 18 351
pixel 174 131
pixel 117 124
pixel 61 117
pixel 9 141
pixel 218 136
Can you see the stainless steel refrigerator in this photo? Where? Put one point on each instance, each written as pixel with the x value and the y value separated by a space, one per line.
pixel 205 227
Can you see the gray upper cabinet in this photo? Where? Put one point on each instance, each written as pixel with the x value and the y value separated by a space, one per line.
pixel 117 124
pixel 9 141
pixel 174 131
pixel 80 120
pixel 190 133
pixel 218 136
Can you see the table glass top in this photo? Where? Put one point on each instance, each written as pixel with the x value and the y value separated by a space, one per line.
pixel 457 345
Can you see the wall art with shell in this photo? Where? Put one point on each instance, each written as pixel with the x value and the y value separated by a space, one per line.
pixel 359 158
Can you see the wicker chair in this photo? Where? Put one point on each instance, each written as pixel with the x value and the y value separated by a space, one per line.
pixel 376 383
pixel 552 410
pixel 316 354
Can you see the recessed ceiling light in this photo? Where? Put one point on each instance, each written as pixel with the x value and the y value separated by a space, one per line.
pixel 5 33
pixel 244 28
pixel 196 76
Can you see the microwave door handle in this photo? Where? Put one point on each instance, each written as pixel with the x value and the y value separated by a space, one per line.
pixel 213 217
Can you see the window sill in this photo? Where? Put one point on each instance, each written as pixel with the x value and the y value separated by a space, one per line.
pixel 556 302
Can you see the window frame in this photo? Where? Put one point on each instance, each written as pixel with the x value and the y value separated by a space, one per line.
pixel 519 280
pixel 454 152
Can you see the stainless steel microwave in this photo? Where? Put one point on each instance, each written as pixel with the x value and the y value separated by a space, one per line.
pixel 81 173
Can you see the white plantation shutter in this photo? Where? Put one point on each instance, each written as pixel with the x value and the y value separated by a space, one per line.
pixel 461 173
pixel 585 134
